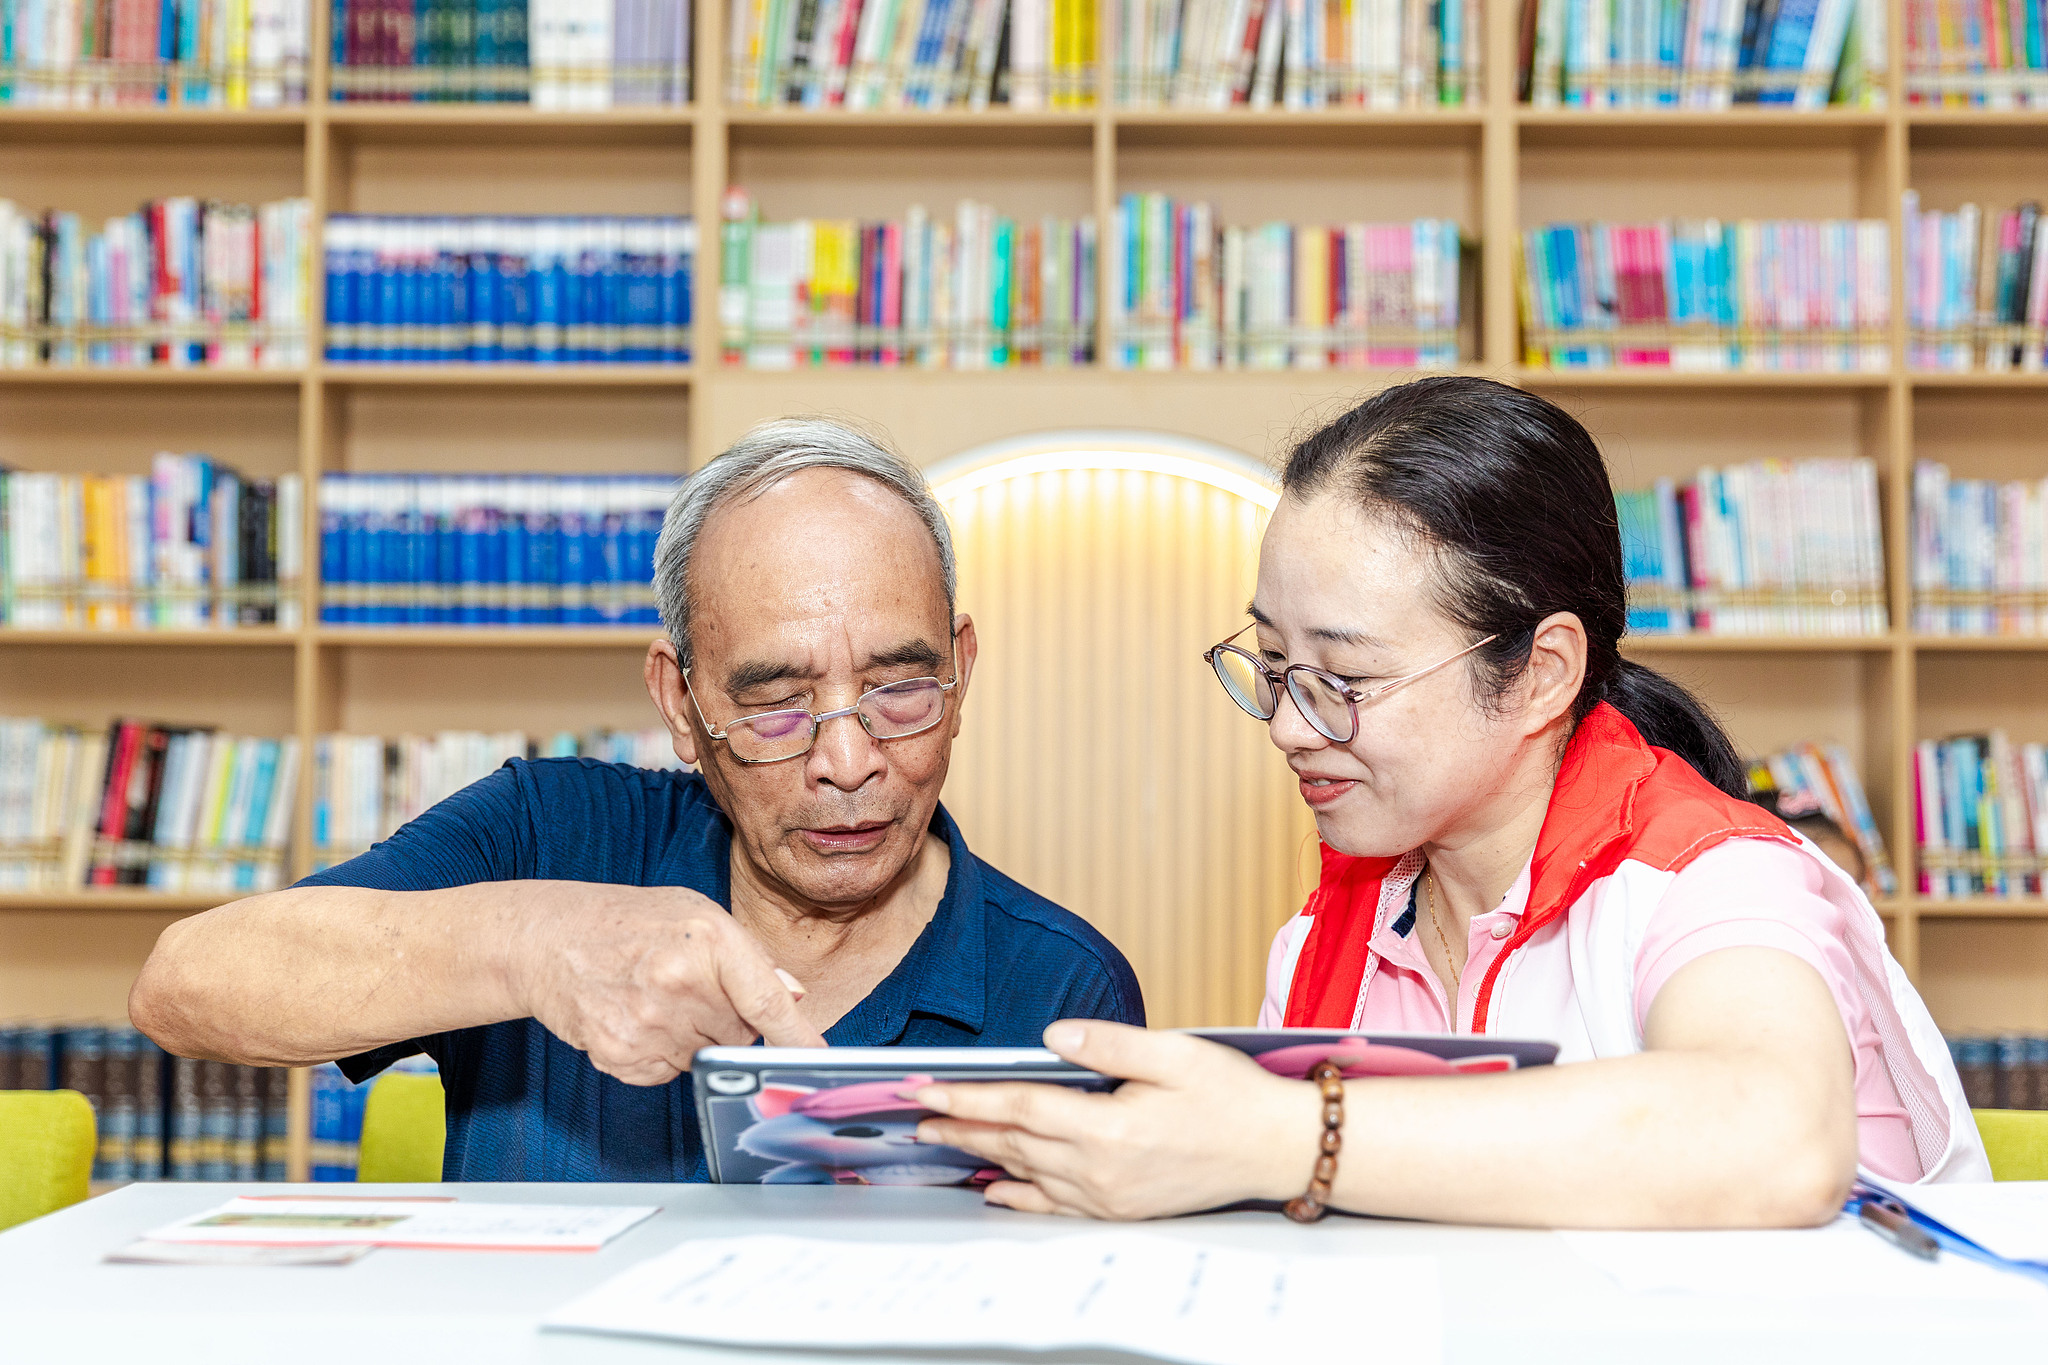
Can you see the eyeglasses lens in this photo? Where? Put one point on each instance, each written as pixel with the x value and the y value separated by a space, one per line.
pixel 1247 686
pixel 903 708
pixel 766 738
pixel 1326 707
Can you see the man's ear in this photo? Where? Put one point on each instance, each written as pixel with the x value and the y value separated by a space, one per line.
pixel 664 675
pixel 965 650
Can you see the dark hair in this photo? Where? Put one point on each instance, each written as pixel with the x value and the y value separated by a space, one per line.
pixel 1511 495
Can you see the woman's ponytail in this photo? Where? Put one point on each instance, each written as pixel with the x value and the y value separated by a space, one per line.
pixel 1672 718
pixel 1512 494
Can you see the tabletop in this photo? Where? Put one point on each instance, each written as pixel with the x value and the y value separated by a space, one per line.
pixel 1509 1295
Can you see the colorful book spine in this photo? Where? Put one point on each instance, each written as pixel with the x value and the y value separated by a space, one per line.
pixel 1264 54
pixel 1976 288
pixel 1980 554
pixel 1703 54
pixel 193 544
pixel 2002 1071
pixel 983 291
pixel 1707 295
pixel 1768 548
pixel 180 283
pixel 908 54
pixel 1981 811
pixel 219 54
pixel 1821 780
pixel 543 291
pixel 1970 55
pixel 366 787
pixel 337 1117
pixel 139 1095
pixel 552 54
pixel 1188 292
pixel 171 808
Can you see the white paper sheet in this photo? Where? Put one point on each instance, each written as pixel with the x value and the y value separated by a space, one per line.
pixel 261 1220
pixel 1842 1258
pixel 1132 1291
pixel 2009 1218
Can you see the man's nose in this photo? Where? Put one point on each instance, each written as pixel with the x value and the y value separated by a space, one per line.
pixel 845 754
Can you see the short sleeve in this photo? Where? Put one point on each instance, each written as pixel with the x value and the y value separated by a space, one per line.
pixel 1104 995
pixel 1747 893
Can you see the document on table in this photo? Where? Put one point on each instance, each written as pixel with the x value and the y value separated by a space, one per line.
pixel 446 1224
pixel 1842 1258
pixel 2009 1218
pixel 1133 1291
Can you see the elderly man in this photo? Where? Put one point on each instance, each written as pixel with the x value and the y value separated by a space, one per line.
pixel 562 936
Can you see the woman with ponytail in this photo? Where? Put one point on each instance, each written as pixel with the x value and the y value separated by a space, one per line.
pixel 1524 834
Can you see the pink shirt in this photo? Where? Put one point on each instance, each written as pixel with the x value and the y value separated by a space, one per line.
pixel 1754 893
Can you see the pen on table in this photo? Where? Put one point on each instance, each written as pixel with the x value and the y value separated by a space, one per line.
pixel 1898 1229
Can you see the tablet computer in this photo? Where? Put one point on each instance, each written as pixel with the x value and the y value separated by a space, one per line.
pixel 844 1116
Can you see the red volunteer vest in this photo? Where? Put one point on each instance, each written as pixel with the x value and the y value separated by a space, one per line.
pixel 1616 798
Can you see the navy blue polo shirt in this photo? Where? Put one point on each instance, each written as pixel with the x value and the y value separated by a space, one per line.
pixel 995 965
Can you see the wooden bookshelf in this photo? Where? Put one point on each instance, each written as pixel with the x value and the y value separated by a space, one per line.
pixel 1495 167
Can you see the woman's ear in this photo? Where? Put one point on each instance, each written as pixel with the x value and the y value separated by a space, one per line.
pixel 664 676
pixel 1556 672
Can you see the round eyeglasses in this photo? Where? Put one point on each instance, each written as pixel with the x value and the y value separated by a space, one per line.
pixel 895 710
pixel 1325 701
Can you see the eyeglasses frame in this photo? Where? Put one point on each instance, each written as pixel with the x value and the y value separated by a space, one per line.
pixel 1283 683
pixel 818 718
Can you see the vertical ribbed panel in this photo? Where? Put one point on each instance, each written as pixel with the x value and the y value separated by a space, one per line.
pixel 1100 762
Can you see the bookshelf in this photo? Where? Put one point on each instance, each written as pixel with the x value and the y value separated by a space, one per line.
pixel 1494 167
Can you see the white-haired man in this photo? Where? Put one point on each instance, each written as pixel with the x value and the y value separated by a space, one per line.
pixel 562 936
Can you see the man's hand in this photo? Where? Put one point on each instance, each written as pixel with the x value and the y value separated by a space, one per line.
pixel 641 977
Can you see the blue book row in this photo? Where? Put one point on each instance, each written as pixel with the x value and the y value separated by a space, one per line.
pixel 495 550
pixel 548 291
pixel 337 1105
pixel 157 1117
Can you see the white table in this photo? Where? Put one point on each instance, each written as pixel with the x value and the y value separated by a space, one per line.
pixel 1510 1296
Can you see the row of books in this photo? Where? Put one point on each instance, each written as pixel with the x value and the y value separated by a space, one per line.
pixel 911 54
pixel 1976 287
pixel 157 1117
pixel 489 550
pixel 1703 54
pixel 190 544
pixel 2002 1071
pixel 1701 294
pixel 1765 548
pixel 1292 54
pixel 984 291
pixel 366 786
pixel 509 290
pixel 1981 816
pixel 552 54
pixel 1980 554
pixel 219 54
pixel 180 282
pixel 1820 780
pixel 1187 292
pixel 174 808
pixel 1964 53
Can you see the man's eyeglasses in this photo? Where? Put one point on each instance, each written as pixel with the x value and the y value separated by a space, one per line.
pixel 895 710
pixel 1325 700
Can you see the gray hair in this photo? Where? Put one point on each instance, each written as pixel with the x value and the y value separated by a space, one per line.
pixel 756 462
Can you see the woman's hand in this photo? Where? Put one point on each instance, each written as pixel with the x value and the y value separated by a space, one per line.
pixel 1194 1126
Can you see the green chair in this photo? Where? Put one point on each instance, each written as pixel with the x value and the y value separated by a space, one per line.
pixel 405 1126
pixel 2016 1141
pixel 47 1141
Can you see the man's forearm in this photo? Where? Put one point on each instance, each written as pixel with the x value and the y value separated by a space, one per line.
pixel 310 974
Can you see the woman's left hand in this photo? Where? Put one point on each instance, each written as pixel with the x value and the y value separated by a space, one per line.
pixel 1194 1126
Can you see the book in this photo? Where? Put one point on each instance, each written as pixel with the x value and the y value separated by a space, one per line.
pixel 1976 287
pixel 1818 785
pixel 1703 54
pixel 2002 1071
pixel 477 290
pixel 220 54
pixel 1963 55
pixel 139 804
pixel 365 787
pixel 552 54
pixel 1765 548
pixel 1979 554
pixel 1708 295
pixel 1981 816
pixel 179 283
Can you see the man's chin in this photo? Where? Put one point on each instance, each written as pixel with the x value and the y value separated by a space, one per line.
pixel 843 876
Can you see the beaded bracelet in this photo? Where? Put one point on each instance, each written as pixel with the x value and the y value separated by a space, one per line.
pixel 1309 1206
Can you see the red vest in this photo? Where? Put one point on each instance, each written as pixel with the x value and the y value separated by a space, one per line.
pixel 1616 797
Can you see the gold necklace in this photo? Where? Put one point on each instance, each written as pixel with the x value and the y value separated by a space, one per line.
pixel 1429 900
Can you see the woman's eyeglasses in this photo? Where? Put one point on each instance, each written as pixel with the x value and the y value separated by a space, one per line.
pixel 1325 700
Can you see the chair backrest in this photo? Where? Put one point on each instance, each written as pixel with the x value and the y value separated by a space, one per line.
pixel 47 1140
pixel 405 1126
pixel 2016 1140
